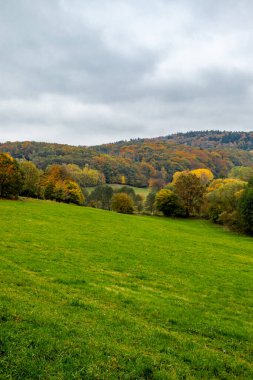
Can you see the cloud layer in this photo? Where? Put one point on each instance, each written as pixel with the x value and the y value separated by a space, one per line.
pixel 86 72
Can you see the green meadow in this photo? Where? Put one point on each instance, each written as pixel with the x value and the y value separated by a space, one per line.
pixel 138 190
pixel 91 294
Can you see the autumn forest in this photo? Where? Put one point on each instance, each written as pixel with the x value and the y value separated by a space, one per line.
pixel 181 179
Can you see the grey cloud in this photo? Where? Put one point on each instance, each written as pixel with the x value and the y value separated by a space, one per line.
pixel 211 84
pixel 91 72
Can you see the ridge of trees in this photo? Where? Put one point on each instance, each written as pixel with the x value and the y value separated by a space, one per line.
pixel 139 161
pixel 228 201
pixel 215 139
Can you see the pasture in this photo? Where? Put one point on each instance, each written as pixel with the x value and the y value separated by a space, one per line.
pixel 91 294
pixel 138 190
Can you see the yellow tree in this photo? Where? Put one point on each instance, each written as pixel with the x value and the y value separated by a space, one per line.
pixel 205 175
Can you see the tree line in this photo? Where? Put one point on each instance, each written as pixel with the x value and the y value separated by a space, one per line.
pixel 215 139
pixel 190 193
pixel 63 183
pixel 226 201
pixel 135 162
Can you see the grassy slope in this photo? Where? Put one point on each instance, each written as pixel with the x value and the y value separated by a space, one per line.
pixel 138 190
pixel 92 294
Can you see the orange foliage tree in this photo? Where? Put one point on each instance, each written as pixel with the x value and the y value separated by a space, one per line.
pixel 57 184
pixel 11 178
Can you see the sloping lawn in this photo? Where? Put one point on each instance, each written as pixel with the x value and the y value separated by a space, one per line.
pixel 91 294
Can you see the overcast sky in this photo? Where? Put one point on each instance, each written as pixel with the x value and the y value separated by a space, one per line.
pixel 85 72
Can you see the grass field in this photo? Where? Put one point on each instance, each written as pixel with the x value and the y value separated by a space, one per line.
pixel 91 294
pixel 138 190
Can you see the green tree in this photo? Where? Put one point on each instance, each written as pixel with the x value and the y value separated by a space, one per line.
pixel 122 203
pixel 246 210
pixel 222 200
pixel 91 177
pixel 168 203
pixel 75 172
pixel 244 173
pixel 136 198
pixel 150 204
pixel 138 203
pixel 101 197
pixel 127 190
pixel 190 191
pixel 31 176
pixel 11 178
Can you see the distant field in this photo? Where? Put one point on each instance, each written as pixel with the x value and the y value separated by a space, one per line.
pixel 138 190
pixel 91 294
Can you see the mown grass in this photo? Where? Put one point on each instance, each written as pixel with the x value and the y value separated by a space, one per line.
pixel 91 294
pixel 138 190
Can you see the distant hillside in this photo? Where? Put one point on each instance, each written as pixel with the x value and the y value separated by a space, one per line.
pixel 215 139
pixel 139 160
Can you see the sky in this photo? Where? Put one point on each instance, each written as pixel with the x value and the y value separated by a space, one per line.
pixel 87 72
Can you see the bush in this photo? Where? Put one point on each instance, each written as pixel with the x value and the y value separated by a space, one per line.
pixel 168 203
pixel 136 198
pixel 122 203
pixel 229 219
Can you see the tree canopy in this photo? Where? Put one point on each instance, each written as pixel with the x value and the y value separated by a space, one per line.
pixel 11 177
pixel 190 191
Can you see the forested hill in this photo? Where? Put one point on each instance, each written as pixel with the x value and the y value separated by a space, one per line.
pixel 215 139
pixel 139 160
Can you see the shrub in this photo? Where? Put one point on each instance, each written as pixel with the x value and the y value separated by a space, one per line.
pixel 168 203
pixel 122 203
pixel 229 219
